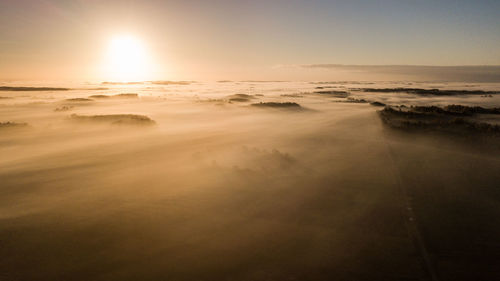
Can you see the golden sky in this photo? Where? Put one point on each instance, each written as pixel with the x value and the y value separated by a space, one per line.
pixel 265 40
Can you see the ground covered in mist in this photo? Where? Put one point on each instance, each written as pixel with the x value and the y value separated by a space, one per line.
pixel 249 180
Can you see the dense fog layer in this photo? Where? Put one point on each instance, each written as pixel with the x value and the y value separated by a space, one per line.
pixel 191 181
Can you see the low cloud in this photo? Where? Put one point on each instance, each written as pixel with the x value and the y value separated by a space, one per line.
pixel 418 72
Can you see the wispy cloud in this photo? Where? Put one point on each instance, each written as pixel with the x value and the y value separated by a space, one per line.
pixel 476 73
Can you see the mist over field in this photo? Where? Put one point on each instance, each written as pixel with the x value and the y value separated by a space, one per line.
pixel 247 180
pixel 284 140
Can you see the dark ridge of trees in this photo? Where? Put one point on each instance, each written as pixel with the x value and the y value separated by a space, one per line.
pixel 8 124
pixel 63 108
pixel 121 96
pixel 148 82
pixel 115 119
pixel 325 87
pixel 286 105
pixel 126 96
pixel 6 88
pixel 240 98
pixel 457 110
pixel 377 103
pixel 353 100
pixel 292 95
pixel 438 119
pixel 79 100
pixel 434 92
pixel 471 110
pixel 99 96
pixel 333 93
pixel 342 82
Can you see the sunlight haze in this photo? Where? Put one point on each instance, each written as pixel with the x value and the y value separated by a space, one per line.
pixel 249 140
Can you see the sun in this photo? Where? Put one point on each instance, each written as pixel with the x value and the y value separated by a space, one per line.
pixel 127 59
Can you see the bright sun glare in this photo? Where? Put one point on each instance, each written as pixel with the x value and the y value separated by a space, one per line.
pixel 127 59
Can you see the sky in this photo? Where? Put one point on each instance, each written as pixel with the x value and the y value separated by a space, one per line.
pixel 264 40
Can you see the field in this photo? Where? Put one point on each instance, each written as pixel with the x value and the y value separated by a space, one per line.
pixel 248 180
